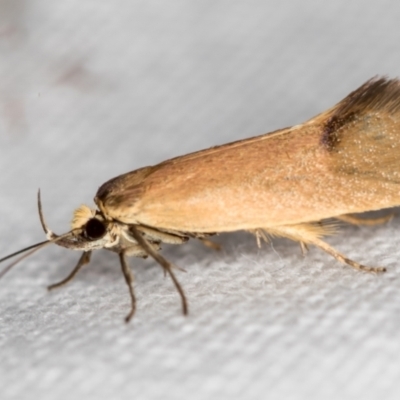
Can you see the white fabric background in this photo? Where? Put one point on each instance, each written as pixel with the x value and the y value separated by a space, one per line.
pixel 89 90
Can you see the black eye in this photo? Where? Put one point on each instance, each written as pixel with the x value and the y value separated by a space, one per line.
pixel 95 229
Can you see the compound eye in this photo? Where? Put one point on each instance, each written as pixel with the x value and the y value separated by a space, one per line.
pixel 95 229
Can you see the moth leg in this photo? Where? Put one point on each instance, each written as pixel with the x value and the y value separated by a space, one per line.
pixel 167 266
pixel 84 259
pixel 205 241
pixel 260 235
pixel 310 233
pixel 351 219
pixel 210 244
pixel 129 281
pixel 304 248
pixel 165 237
pixel 340 257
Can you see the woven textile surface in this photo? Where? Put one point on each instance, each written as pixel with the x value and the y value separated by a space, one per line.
pixel 90 90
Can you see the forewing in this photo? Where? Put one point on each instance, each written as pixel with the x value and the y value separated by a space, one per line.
pixel 345 160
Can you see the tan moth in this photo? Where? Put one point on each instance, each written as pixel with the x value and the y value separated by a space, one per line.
pixel 344 161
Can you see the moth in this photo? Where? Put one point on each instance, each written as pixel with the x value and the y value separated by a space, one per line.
pixel 287 183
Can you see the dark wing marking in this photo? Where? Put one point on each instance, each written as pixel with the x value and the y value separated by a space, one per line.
pixel 379 95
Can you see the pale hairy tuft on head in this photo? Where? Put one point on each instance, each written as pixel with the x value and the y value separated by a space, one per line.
pixel 81 216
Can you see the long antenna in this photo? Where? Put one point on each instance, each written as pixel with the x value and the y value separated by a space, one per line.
pixel 23 250
pixel 52 238
pixel 32 249
pixel 46 229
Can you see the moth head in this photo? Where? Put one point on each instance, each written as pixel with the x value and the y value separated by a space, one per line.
pixel 90 231
pixel 89 222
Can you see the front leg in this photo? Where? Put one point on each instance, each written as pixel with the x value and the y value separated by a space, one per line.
pixel 129 281
pixel 84 259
